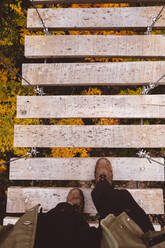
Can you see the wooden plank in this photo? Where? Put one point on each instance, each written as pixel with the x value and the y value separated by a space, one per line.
pixel 97 136
pixel 42 46
pixel 95 18
pixel 12 220
pixel 70 74
pixel 120 106
pixel 137 169
pixel 96 1
pixel 20 199
pixel 157 227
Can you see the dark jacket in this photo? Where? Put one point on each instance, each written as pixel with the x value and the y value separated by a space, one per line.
pixel 121 232
pixel 23 234
pixel 61 227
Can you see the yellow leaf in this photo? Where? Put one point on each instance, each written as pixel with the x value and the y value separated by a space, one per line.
pixel 3 167
pixel 91 91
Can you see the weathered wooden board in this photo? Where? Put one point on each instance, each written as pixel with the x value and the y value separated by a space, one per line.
pixel 120 106
pixel 125 73
pixel 20 199
pixel 157 227
pixel 137 169
pixel 97 136
pixel 95 18
pixel 42 46
pixel 96 1
pixel 12 220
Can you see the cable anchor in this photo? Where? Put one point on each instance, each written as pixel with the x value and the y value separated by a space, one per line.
pixel 154 21
pixel 39 91
pixel 33 152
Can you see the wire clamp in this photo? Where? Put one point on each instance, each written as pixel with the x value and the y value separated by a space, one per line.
pixel 33 152
pixel 39 91
pixel 154 21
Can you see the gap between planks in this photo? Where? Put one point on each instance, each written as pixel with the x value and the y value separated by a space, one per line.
pixel 95 1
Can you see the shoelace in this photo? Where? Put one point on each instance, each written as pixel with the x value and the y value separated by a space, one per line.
pixel 77 208
pixel 102 177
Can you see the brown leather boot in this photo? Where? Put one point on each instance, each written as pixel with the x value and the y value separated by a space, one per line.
pixel 76 198
pixel 103 170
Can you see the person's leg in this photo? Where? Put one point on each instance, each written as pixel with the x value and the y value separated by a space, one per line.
pixel 106 200
pixel 55 227
pixel 65 226
pixel 86 236
pixel 102 193
pixel 109 200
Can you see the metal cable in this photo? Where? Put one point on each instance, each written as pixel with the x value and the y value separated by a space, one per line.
pixel 40 92
pixel 154 21
pixel 37 89
pixel 33 152
pixel 45 29
pixel 17 73
pixel 143 154
pixel 151 86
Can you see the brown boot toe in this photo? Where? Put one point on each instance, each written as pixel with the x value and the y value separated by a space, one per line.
pixel 103 170
pixel 76 198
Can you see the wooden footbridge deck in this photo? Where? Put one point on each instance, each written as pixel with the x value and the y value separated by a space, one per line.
pixel 109 106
